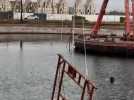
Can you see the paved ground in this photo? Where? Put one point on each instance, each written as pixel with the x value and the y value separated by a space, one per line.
pixel 30 29
pixel 30 33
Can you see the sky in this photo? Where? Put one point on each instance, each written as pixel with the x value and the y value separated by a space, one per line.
pixel 113 4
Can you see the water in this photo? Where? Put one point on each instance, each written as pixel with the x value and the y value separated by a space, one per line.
pixel 28 74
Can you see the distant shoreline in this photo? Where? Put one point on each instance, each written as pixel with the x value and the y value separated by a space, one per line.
pixel 39 32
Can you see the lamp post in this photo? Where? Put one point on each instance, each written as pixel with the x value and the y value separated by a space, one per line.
pixel 52 7
pixel 21 8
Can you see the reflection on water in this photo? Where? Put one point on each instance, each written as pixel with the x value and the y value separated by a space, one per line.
pixel 28 74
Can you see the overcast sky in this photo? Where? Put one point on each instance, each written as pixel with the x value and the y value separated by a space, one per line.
pixel 113 4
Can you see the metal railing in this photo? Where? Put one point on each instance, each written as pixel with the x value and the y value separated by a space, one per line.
pixel 64 67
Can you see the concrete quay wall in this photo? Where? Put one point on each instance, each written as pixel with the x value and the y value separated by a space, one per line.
pixel 16 33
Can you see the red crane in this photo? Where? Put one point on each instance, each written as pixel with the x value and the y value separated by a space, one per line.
pixel 127 19
pixel 128 31
pixel 133 14
pixel 100 17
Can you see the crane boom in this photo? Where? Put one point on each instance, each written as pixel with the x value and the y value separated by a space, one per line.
pixel 100 17
pixel 133 14
pixel 127 18
pixel 102 12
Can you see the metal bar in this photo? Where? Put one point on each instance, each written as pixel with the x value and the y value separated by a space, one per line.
pixel 63 98
pixel 60 83
pixel 55 80
pixel 75 69
pixel 74 80
pixel 83 92
pixel 21 8
pixel 91 94
pixel 79 80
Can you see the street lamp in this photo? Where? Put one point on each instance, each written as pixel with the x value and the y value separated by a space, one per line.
pixel 21 8
pixel 52 7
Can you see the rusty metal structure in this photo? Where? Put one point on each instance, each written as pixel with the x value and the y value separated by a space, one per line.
pixel 65 68
pixel 112 44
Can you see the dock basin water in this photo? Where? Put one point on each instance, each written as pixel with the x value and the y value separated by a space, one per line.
pixel 28 73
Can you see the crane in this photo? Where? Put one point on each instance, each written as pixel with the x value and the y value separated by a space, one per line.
pixel 133 14
pixel 100 17
pixel 127 19
pixel 128 31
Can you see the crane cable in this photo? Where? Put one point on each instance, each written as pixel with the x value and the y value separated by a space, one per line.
pixel 85 52
pixel 73 31
pixel 61 27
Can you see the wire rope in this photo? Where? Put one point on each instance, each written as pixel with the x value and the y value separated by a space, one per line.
pixel 85 51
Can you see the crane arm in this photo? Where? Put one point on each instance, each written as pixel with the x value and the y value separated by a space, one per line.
pixel 133 14
pixel 100 17
pixel 127 18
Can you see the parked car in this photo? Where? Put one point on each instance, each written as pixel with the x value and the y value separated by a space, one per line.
pixel 31 17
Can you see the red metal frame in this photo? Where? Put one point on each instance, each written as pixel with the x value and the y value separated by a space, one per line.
pixel 63 67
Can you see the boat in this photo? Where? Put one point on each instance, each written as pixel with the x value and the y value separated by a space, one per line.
pixel 108 44
pixel 105 46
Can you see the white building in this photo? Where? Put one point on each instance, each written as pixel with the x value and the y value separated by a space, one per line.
pixel 5 5
pixel 90 7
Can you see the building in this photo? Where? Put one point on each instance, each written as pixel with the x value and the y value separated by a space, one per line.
pixel 53 7
pixel 48 6
pixel 90 7
pixel 62 7
pixel 5 5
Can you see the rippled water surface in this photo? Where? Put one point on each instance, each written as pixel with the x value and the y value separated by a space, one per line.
pixel 28 74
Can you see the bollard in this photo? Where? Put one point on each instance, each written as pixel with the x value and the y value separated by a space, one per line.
pixel 112 80
pixel 21 44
